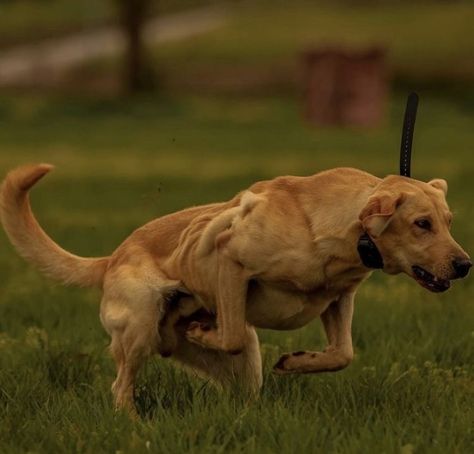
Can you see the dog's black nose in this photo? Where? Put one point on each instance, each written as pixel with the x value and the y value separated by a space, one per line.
pixel 461 267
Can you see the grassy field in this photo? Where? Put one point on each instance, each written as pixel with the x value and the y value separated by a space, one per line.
pixel 123 162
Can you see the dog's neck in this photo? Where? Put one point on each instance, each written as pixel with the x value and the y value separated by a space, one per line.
pixel 340 249
pixel 337 230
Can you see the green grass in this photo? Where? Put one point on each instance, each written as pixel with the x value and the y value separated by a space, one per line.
pixel 123 162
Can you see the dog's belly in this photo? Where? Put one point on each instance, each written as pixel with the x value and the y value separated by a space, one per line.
pixel 274 307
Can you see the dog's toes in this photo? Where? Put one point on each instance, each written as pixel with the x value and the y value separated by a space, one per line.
pixel 196 327
pixel 205 327
pixel 197 332
pixel 306 363
pixel 296 362
pixel 201 326
pixel 281 362
pixel 279 368
pixel 203 334
pixel 193 325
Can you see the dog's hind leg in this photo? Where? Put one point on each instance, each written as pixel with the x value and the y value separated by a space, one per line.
pixel 130 348
pixel 130 314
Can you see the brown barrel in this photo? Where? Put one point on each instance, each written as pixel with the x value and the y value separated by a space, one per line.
pixel 346 88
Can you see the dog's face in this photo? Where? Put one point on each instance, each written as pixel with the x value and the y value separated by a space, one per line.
pixel 409 222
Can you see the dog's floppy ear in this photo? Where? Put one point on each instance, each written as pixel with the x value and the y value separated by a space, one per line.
pixel 439 183
pixel 378 212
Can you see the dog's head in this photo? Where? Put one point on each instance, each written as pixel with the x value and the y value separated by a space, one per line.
pixel 409 221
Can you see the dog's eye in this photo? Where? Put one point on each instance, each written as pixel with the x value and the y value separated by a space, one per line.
pixel 423 224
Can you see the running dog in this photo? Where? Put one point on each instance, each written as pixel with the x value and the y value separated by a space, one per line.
pixel 195 284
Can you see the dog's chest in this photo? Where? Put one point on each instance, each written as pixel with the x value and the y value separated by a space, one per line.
pixel 277 307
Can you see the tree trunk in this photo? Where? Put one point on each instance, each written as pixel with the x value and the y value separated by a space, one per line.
pixel 136 71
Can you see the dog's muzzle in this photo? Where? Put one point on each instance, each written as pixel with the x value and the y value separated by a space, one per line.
pixel 430 281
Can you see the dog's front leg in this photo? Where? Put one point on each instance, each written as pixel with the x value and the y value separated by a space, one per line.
pixel 231 298
pixel 337 320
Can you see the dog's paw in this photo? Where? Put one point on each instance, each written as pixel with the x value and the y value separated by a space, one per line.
pixel 198 332
pixel 284 364
pixel 330 360
pixel 296 362
pixel 279 368
pixel 207 336
pixel 198 328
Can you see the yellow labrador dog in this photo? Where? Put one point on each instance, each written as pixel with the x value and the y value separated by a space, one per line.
pixel 196 283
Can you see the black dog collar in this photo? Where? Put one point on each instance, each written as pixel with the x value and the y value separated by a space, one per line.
pixel 368 252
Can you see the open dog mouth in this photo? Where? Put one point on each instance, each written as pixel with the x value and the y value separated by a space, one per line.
pixel 429 281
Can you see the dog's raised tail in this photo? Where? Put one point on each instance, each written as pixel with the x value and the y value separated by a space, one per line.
pixel 32 242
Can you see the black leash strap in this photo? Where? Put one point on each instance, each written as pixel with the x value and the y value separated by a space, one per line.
pixel 407 135
pixel 368 251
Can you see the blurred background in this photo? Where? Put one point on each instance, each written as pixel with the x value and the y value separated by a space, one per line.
pixel 166 103
pixel 150 106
